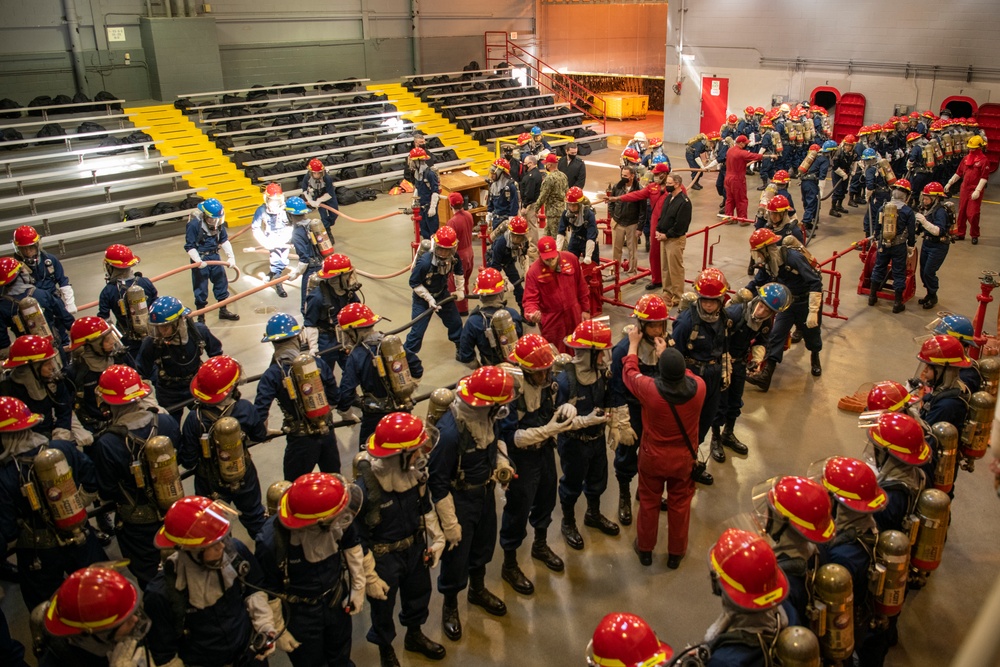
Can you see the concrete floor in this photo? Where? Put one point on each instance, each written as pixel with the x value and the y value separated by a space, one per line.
pixel 796 423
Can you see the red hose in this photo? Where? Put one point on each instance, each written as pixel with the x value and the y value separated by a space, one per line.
pixel 236 297
pixel 375 219
pixel 171 272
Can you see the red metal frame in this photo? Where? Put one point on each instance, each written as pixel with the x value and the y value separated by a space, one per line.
pixel 959 98
pixel 987 283
pixel 498 48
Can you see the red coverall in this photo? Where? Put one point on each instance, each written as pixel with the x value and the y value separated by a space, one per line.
pixel 973 167
pixel 664 458
pixel 656 196
pixel 561 296
pixel 737 160
pixel 462 223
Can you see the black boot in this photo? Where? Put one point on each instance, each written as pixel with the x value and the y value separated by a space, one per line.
pixel 481 597
pixel 898 306
pixel 570 532
pixel 930 302
pixel 278 288
pixel 853 202
pixel 450 621
pixel 540 551
pixel 645 557
pixel 594 519
pixel 762 378
pixel 730 440
pixel 387 656
pixel 704 477
pixel 873 294
pixel 834 211
pixel 199 306
pixel 512 574
pixel 226 314
pixel 624 505
pixel 817 368
pixel 763 183
pixel 417 642
pixel 715 448
pixel 796 335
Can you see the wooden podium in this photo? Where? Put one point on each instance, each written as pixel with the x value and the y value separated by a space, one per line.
pixel 472 186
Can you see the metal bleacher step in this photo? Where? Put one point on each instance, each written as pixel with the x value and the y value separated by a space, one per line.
pixel 210 168
pixel 416 110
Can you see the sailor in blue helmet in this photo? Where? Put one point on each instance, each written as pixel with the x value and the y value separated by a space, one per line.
pixel 205 233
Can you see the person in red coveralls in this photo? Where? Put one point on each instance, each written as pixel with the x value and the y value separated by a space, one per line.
pixel 462 223
pixel 656 195
pixel 974 169
pixel 671 408
pixel 737 160
pixel 555 294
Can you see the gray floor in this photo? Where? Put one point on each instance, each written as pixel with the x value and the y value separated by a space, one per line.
pixel 796 423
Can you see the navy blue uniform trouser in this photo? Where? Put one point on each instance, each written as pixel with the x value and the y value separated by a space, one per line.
pixel 767 169
pixel 839 189
pixel 783 323
pixel 428 223
pixel 42 571
pixel 731 400
pixel 170 397
pixel 626 461
pixel 325 341
pixel 584 467
pixel 304 289
pixel 305 452
pixel 531 496
pixel 325 633
pixel 135 540
pixel 810 202
pixel 720 183
pixel 917 183
pixel 896 256
pixel 200 278
pixel 246 498
pixel 932 254
pixel 712 375
pixel 406 575
pixel 476 510
pixel 448 314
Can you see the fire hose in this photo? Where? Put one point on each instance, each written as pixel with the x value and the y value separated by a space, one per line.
pixel 171 272
pixel 375 219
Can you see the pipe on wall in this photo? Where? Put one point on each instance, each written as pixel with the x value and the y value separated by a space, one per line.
pixel 76 48
pixel 415 36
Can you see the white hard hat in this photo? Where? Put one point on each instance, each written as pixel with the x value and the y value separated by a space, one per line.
pixel 784 108
pixel 639 136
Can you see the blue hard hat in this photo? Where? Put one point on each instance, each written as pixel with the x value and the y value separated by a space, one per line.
pixel 956 326
pixel 212 208
pixel 869 154
pixel 166 309
pixel 280 327
pixel 657 159
pixel 775 296
pixel 536 130
pixel 829 145
pixel 296 205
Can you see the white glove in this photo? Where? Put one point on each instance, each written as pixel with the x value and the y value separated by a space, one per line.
pixel 815 302
pixel 62 434
pixel 311 334
pixel 460 288
pixel 296 271
pixel 81 436
pixel 448 520
pixel 975 194
pixel 621 432
pixel 425 294
pixel 196 258
pixel 123 654
pixel 435 536
pixel 928 226
pixel 227 247
pixel 375 586
pixel 593 419
pixel 588 252
pixel 822 189
pixel 349 414
pixel 566 412
pixel 309 200
pixel 560 242
pixel 286 642
pixel 840 172
pixel 323 198
pixel 698 161
pixel 951 182
pixel 712 165
pixel 529 437
pixel 261 616
pixel 432 208
pixel 68 298
pixel 355 558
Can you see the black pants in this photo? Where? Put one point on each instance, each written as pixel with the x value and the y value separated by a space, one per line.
pixel 731 400
pixel 42 571
pixel 405 573
pixel 584 467
pixel 305 452
pixel 477 514
pixel 531 496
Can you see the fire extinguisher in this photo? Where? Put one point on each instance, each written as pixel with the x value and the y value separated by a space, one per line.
pixel 440 400
pixel 320 238
pixel 136 310
pixel 933 514
pixel 946 436
pixel 227 436
pixel 503 331
pixel 394 365
pixel 305 387
pixel 887 575
pixel 62 495
pixel 161 461
pixel 30 319
pixel 831 611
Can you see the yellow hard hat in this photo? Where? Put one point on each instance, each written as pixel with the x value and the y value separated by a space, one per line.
pixel 975 141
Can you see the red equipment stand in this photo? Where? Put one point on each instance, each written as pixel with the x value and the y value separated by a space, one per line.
pixel 415 217
pixel 887 292
pixel 986 285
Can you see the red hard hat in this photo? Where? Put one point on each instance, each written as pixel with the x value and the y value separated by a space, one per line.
pixel 853 484
pixel 889 127
pixel 902 436
pixel 590 334
pixel 501 163
pixel 714 135
pixel 91 600
pixel 486 387
pixel 913 136
pixel 16 416
pixel 517 225
pixel 711 284
pixel 929 114
pixel 273 190
pixel 748 110
pixel 778 203
pixel 748 571
pixel 418 154
pixel 781 176
pixel 759 110
pixel 943 351
pixel 215 379
pixel 523 138
pixel 312 498
pixel 445 237
pixel 120 256
pixel 533 353
pixel 9 268
pixel 121 384
pixel 626 640
pixel 650 308
pixel 630 155
pixel 355 315
pixel 763 237
pixel 934 189
pixel 742 139
pixel 193 522
pixel 574 195
pixel 28 349
pixel 87 329
pixel 850 139
pixel 814 147
pixel 732 118
pixel 915 115
pixel 888 395
pixel 396 432
pixel 806 506
pixel 25 235
pixel 655 141
pixel 335 265
pixel 315 165
pixel 489 281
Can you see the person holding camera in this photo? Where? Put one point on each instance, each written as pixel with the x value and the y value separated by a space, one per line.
pixel 671 407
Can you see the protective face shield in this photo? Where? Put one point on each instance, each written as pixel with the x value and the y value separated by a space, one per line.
pixel 212 224
pixel 108 345
pixel 443 256
pixel 709 309
pixel 49 370
pixel 275 204
pixel 417 459
pixel 28 254
pixel 345 283
pixel 764 517
pixel 171 333
pixel 760 310
pixel 653 330
pixel 343 519
pixel 777 217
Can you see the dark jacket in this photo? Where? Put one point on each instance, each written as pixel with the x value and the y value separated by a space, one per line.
pixel 675 218
pixel 531 186
pixel 575 170
pixel 627 212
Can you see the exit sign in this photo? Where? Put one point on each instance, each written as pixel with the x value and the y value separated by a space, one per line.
pixel 116 34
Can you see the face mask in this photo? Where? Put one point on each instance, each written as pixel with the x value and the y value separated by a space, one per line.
pixel 669 188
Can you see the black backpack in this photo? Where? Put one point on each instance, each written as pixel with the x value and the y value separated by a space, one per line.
pixel 191 201
pixel 7 103
pixel 105 96
pixel 346 196
pixel 88 126
pixel 161 207
pixel 62 99
pixel 40 101
pixel 10 134
pixel 50 130
pixel 185 106
pixel 136 137
pixel 134 214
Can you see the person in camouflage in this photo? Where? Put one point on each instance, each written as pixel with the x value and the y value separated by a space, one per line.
pixel 552 196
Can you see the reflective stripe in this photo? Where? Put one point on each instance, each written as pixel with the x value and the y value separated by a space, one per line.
pixel 791 517
pixel 83 625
